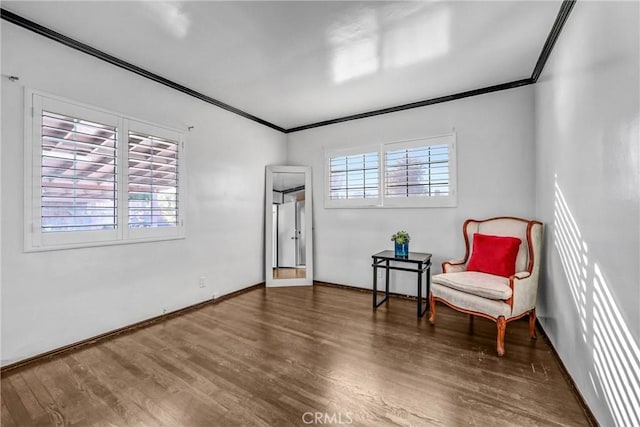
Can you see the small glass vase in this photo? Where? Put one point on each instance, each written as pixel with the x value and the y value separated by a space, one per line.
pixel 401 250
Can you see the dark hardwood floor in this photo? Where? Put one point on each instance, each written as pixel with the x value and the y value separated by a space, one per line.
pixel 295 356
pixel 289 273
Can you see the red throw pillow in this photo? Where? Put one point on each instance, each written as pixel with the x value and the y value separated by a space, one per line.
pixel 494 254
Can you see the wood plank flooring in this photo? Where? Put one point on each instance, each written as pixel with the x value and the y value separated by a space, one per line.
pixel 289 273
pixel 299 356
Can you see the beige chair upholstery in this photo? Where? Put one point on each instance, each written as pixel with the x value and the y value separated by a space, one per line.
pixel 501 299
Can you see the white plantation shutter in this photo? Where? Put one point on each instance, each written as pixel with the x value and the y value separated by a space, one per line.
pixel 420 173
pixel 152 181
pixel 417 172
pixel 78 174
pixel 354 176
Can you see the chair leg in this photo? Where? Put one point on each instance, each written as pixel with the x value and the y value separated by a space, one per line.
pixel 502 327
pixel 532 324
pixel 471 317
pixel 432 309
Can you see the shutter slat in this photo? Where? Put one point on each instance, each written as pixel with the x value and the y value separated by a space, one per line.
pixel 150 158
pixel 169 148
pixel 101 143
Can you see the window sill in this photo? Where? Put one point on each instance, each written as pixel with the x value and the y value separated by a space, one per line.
pixel 448 203
pixel 34 249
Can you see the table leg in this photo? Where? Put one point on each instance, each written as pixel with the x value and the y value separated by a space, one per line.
pixel 422 311
pixel 386 283
pixel 375 282
pixel 377 303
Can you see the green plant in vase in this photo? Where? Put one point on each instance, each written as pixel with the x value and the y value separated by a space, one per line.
pixel 401 243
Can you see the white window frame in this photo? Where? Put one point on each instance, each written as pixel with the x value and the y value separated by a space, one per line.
pixel 450 200
pixel 34 239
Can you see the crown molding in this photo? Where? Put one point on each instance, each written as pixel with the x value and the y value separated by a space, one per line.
pixel 418 104
pixel 85 48
pixel 552 37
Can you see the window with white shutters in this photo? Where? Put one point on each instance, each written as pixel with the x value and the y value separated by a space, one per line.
pixel 415 173
pixel 85 185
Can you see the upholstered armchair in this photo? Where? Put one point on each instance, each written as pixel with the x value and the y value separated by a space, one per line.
pixel 498 277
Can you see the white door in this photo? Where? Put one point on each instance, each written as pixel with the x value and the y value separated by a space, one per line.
pixel 274 234
pixel 287 235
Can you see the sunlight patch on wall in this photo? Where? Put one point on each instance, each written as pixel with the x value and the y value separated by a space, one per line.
pixel 573 254
pixel 616 355
pixel 626 172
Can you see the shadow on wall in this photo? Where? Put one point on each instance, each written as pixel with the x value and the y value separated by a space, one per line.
pixel 615 356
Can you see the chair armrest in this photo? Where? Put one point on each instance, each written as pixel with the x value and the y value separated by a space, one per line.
pixel 454 266
pixel 525 291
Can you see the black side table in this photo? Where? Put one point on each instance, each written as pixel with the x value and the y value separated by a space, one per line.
pixel 422 263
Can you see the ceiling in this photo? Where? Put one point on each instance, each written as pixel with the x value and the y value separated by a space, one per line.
pixel 294 63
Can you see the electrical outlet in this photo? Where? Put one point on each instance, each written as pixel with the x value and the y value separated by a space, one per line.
pixel 202 282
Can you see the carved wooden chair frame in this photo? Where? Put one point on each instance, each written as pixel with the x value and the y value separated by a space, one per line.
pixel 501 321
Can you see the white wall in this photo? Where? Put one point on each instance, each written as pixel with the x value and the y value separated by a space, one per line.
pixel 495 153
pixel 51 299
pixel 587 176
